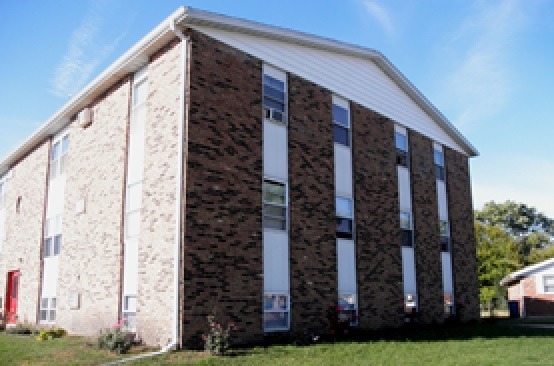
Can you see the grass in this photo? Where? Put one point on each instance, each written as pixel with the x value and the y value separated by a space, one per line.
pixel 502 342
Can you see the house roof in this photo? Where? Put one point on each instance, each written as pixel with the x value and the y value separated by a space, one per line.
pixel 524 272
pixel 138 55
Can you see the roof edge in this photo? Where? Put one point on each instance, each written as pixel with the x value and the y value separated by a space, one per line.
pixel 200 17
pixel 518 275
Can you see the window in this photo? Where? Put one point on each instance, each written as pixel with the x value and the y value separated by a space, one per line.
pixel 345 217
pixel 341 125
pixel 129 312
pixel 444 235
pixel 275 205
pixel 48 310
pixel 406 228
pixel 548 284
pixel 52 236
pixel 348 309
pixel 276 311
pixel 439 165
pixel 58 160
pixel 401 141
pixel 274 99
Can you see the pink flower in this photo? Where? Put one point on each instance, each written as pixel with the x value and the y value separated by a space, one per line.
pixel 203 337
pixel 218 326
pixel 231 325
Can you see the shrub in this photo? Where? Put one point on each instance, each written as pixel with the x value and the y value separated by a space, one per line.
pixel 217 341
pixel 51 334
pixel 116 340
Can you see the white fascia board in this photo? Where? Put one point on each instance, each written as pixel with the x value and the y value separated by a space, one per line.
pixel 524 272
pixel 203 18
pixel 130 61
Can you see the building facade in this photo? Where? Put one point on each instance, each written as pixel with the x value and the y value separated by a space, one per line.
pixel 226 166
pixel 532 288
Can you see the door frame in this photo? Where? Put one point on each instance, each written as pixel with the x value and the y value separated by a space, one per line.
pixel 12 285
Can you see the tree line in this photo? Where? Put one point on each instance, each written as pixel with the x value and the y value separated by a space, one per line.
pixel 509 236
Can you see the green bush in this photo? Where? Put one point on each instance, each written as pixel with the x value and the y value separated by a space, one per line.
pixel 217 341
pixel 115 340
pixel 47 334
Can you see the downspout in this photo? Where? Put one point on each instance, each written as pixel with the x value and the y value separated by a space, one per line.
pixel 178 201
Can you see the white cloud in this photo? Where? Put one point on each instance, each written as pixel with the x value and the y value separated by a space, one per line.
pixel 380 14
pixel 84 53
pixel 481 81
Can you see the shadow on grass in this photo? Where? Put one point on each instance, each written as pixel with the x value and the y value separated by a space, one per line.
pixel 485 329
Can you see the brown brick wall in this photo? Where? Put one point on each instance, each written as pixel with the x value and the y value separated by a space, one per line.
pixel 464 255
pixel 426 229
pixel 21 249
pixel 223 237
pixel 379 262
pixel 312 243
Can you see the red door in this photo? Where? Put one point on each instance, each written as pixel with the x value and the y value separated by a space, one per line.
pixel 11 297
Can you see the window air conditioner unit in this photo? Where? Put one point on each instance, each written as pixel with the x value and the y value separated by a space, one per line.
pixel 273 115
pixel 85 117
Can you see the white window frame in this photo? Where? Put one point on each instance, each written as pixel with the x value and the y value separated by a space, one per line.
pixel 439 165
pixel 129 312
pixel 545 278
pixel 340 216
pixel 277 311
pixel 352 308
pixel 58 164
pixel 444 235
pixel 48 305
pixel 284 206
pixel 268 112
pixel 345 105
pixel 52 236
pixel 402 153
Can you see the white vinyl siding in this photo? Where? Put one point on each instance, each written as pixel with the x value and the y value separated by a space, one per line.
pixel 276 294
pixel 3 186
pixel 354 78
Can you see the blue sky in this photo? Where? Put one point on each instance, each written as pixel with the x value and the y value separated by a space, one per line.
pixel 487 65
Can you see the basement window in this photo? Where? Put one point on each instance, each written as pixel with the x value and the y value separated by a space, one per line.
pixel 276 311
pixel 48 310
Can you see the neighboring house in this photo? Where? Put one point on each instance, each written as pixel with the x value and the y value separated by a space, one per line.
pixel 533 288
pixel 230 166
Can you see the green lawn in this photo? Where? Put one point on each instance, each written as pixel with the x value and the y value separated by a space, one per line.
pixel 487 344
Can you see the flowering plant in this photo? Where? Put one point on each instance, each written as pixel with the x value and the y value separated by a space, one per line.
pixel 115 338
pixel 217 341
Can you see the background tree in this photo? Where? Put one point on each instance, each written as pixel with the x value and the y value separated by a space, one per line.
pixel 497 256
pixel 531 230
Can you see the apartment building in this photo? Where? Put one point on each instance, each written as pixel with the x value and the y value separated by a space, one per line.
pixel 222 165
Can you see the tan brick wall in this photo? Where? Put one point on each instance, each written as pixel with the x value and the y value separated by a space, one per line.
pixel 157 234
pixel 90 257
pixel 21 250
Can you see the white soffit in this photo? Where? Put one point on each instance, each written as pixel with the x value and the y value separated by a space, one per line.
pixel 357 79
